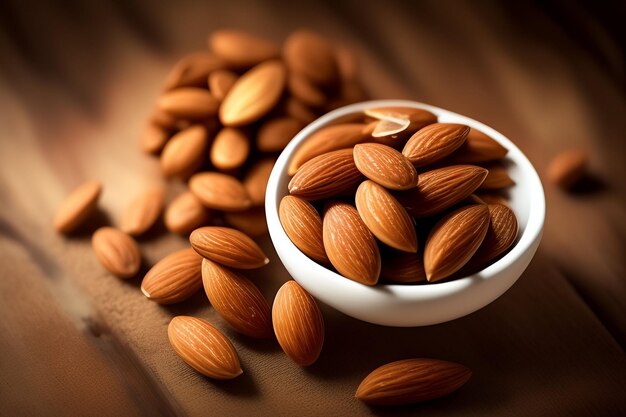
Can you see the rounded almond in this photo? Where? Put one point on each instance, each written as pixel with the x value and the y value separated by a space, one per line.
pixel 241 49
pixel 153 138
pixel 185 213
pixel 184 153
pixel 237 300
pixel 192 70
pixel 478 148
pixel 203 347
pixel 230 149
pixel 174 278
pixel 77 206
pixel 256 179
pixel 434 142
pixel 220 82
pixel 219 191
pixel 567 168
pixel 350 246
pixel 305 91
pixel 116 251
pixel 251 222
pixel 298 324
pixel 143 212
pixel 385 166
pixel 303 225
pixel 385 217
pixel 309 54
pixel 189 102
pixel 497 178
pixel 254 94
pixel 276 133
pixel 228 247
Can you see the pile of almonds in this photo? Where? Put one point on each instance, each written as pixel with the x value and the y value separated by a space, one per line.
pixel 390 194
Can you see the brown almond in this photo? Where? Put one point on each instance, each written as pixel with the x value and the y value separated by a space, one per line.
pixel 77 206
pixel 347 64
pixel 185 213
pixel 349 245
pixel 153 138
pixel 385 166
pixel 116 251
pixel 454 240
pixel 203 347
pixel 442 188
pixel 256 179
pixel 305 91
pixel 402 268
pixel 237 300
pixel 298 110
pixel 385 217
pixel 478 148
pixel 164 120
pixel 254 94
pixel 311 55
pixel 434 142
pixel 220 82
pixel 493 198
pixel 392 129
pixel 143 212
pixel 189 102
pixel 241 49
pixel 174 278
pixel 230 149
pixel 192 70
pixel 251 222
pixel 298 324
pixel 567 168
pixel 497 178
pixel 228 247
pixel 185 151
pixel 275 134
pixel 412 380
pixel 325 176
pixel 219 191
pixel 303 225
pixel 326 139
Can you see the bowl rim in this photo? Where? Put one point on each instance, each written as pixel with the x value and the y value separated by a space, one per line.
pixel 531 233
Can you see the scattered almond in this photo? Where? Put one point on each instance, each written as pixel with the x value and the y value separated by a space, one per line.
pixel 219 191
pixel 228 247
pixel 230 149
pixel 276 133
pixel 568 167
pixel 241 49
pixel 116 251
pixel 77 206
pixel 434 142
pixel 497 178
pixel 143 212
pixel 153 138
pixel 220 82
pixel 298 110
pixel 251 222
pixel 174 278
pixel 185 213
pixel 189 102
pixel 385 166
pixel 184 153
pixel 305 91
pixel 309 54
pixel 255 181
pixel 303 225
pixel 192 70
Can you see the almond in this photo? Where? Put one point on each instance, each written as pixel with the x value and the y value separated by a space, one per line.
pixel 254 94
pixel 326 139
pixel 241 49
pixel 219 191
pixel 220 82
pixel 478 148
pixel 185 151
pixel 237 300
pixel 116 251
pixel 442 188
pixel 389 132
pixel 192 70
pixel 228 247
pixel 325 176
pixel 454 240
pixel 185 213
pixel 309 54
pixel 251 222
pixel 153 138
pixel 347 64
pixel 497 178
pixel 298 324
pixel 305 91
pixel 567 168
pixel 230 149
pixel 397 124
pixel 434 142
pixel 164 120
pixel 203 347
pixel 350 246
pixel 411 381
pixel 143 212
pixel 77 206
pixel 174 278
pixel 492 198
pixel 303 225
pixel 256 179
pixel 385 166
pixel 276 133
pixel 298 110
pixel 402 267
pixel 189 102
pixel 385 217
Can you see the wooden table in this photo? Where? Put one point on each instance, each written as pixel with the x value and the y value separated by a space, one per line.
pixel 77 80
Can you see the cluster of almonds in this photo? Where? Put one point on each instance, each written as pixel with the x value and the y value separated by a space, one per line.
pixel 385 173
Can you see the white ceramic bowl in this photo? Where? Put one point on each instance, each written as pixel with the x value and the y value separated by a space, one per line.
pixel 413 305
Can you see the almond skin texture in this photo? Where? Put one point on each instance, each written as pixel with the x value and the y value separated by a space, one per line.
pixel 454 240
pixel 192 70
pixel 77 206
pixel 497 178
pixel 298 324
pixel 478 148
pixel 434 142
pixel 256 179
pixel 385 166
pixel 327 139
pixel 325 176
pixel 309 54
pixel 184 153
pixel 220 82
pixel 203 347
pixel 254 94
pixel 567 168
pixel 442 188
pixel 412 380
pixel 185 213
pixel 275 134
pixel 303 225
pixel 189 102
pixel 116 251
pixel 153 138
pixel 402 267
pixel 174 278
pixel 251 222
pixel 143 212
pixel 237 300
pixel 230 149
pixel 385 217
pixel 219 191
pixel 241 49
pixel 349 245
pixel 228 247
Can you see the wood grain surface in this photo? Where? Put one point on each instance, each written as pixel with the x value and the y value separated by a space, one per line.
pixel 77 81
